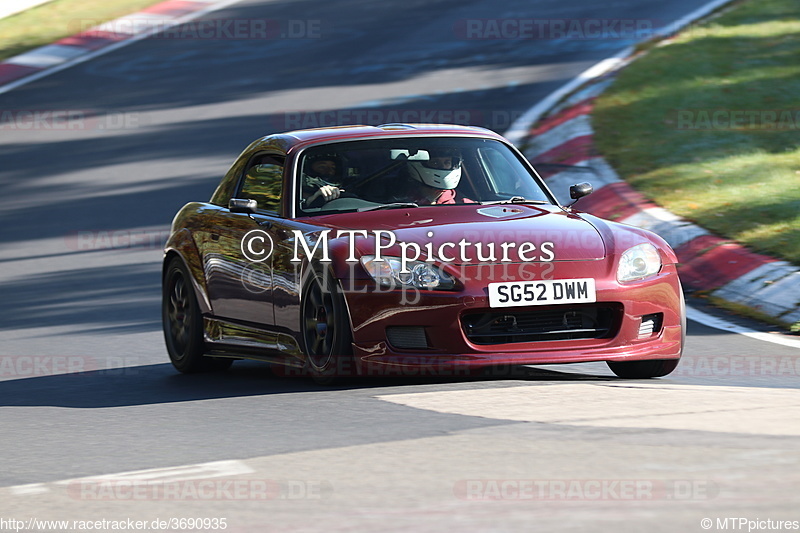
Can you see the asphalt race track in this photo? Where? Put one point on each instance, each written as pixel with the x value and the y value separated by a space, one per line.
pixel 86 389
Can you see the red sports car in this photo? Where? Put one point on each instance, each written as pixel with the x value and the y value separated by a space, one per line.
pixel 410 247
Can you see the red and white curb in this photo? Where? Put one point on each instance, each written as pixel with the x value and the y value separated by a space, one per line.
pixel 64 53
pixel 561 147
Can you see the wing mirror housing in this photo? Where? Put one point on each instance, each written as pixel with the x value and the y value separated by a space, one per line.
pixel 579 190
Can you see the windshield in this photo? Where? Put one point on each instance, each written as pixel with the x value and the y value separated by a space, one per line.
pixel 412 172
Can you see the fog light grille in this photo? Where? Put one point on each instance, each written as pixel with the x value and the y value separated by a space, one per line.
pixel 407 337
pixel 651 325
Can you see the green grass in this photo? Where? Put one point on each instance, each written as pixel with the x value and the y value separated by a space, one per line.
pixel 49 22
pixel 742 182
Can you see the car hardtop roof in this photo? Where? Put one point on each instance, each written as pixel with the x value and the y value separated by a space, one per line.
pixel 297 138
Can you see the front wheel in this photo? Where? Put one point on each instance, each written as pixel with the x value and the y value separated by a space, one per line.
pixel 325 326
pixel 183 323
pixel 654 368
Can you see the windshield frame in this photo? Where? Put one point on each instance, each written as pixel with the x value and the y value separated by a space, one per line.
pixel 299 158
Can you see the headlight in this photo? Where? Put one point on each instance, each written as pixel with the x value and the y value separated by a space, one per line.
pixel 639 262
pixel 419 274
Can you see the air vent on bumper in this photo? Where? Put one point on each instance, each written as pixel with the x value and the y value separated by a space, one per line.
pixel 407 337
pixel 651 325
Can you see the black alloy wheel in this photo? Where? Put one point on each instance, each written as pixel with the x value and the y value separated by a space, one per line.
pixel 325 327
pixel 183 323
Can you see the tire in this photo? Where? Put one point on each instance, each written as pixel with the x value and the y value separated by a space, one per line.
pixel 654 368
pixel 183 323
pixel 325 327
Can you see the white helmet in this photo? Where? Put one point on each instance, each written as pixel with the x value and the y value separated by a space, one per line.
pixel 436 177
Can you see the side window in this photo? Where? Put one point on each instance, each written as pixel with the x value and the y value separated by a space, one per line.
pixel 263 182
pixel 501 173
pixel 507 177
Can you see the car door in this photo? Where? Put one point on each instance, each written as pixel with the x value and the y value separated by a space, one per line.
pixel 239 258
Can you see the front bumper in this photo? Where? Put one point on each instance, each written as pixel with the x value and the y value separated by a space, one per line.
pixel 440 314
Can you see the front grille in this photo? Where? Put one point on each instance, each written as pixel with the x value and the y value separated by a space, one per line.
pixel 556 323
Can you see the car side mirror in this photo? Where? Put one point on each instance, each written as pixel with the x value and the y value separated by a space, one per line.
pixel 579 190
pixel 242 205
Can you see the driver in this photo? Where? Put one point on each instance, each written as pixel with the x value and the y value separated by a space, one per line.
pixel 433 181
pixel 320 180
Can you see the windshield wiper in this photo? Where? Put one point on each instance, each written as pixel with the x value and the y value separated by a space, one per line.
pixel 515 200
pixel 395 205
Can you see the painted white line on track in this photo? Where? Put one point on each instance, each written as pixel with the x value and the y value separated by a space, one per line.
pixel 12 7
pixel 46 56
pixel 26 490
pixel 214 469
pixel 722 324
pixel 176 473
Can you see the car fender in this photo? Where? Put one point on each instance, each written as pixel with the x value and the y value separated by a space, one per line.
pixel 620 237
pixel 181 244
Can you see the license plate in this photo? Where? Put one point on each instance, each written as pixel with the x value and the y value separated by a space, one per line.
pixel 542 292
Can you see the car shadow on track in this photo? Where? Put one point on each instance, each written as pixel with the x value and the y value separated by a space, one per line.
pixel 160 383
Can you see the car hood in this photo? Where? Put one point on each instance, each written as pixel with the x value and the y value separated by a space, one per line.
pixel 484 229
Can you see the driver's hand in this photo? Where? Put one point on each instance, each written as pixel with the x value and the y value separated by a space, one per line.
pixel 327 192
